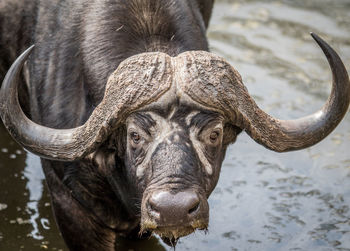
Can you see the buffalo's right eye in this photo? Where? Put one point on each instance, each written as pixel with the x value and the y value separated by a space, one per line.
pixel 136 138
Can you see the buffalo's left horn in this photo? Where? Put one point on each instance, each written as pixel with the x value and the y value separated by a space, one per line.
pixel 211 81
pixel 135 83
pixel 289 135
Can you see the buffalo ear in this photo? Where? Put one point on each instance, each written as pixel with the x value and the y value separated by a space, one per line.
pixel 230 134
pixel 118 140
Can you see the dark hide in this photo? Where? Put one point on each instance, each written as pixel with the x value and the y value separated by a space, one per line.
pixel 78 45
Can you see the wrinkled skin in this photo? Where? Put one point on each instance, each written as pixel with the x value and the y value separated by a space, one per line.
pixel 176 146
pixel 96 198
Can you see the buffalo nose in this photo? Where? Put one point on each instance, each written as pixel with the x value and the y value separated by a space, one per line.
pixel 174 209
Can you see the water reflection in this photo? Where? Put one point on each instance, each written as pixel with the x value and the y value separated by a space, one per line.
pixel 34 175
pixel 264 200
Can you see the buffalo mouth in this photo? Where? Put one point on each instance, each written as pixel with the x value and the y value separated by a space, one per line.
pixel 172 215
pixel 171 234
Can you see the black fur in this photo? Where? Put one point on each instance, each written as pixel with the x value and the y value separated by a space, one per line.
pixel 79 44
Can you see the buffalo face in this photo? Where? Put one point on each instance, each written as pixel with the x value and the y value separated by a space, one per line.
pixel 174 152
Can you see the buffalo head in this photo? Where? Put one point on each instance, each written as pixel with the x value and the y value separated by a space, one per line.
pixel 172 119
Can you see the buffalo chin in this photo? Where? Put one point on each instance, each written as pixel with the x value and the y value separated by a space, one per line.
pixel 171 235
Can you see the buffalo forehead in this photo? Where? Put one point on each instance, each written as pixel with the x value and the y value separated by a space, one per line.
pixel 196 78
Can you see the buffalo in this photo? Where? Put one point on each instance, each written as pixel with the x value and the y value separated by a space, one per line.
pixel 132 115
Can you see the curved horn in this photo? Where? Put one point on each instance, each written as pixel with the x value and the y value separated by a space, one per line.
pixel 289 135
pixel 211 81
pixel 40 140
pixel 138 81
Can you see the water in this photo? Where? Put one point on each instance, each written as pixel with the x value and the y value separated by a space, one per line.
pixel 264 200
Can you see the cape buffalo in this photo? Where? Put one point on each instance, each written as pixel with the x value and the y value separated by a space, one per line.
pixel 131 114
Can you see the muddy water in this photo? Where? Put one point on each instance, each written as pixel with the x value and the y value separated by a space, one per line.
pixel 264 200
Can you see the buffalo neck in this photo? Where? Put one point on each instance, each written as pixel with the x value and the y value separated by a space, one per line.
pixel 133 27
pixel 98 35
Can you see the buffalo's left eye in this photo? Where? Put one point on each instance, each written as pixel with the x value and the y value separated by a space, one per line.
pixel 136 138
pixel 214 136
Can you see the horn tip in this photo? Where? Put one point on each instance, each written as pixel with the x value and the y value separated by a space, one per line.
pixel 326 48
pixel 29 50
pixel 315 37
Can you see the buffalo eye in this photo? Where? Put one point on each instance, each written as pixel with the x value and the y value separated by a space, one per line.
pixel 136 138
pixel 214 136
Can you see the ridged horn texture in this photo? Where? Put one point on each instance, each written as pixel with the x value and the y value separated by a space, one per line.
pixel 134 84
pixel 212 82
pixel 203 77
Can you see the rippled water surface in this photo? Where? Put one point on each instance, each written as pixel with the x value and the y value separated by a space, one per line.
pixel 264 200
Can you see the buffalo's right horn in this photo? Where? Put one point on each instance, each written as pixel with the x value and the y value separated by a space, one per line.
pixel 138 81
pixel 40 140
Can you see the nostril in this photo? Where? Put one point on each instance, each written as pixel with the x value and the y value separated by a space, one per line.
pixel 152 207
pixel 194 208
pixel 152 210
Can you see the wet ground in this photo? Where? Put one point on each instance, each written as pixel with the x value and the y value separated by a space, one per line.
pixel 264 200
